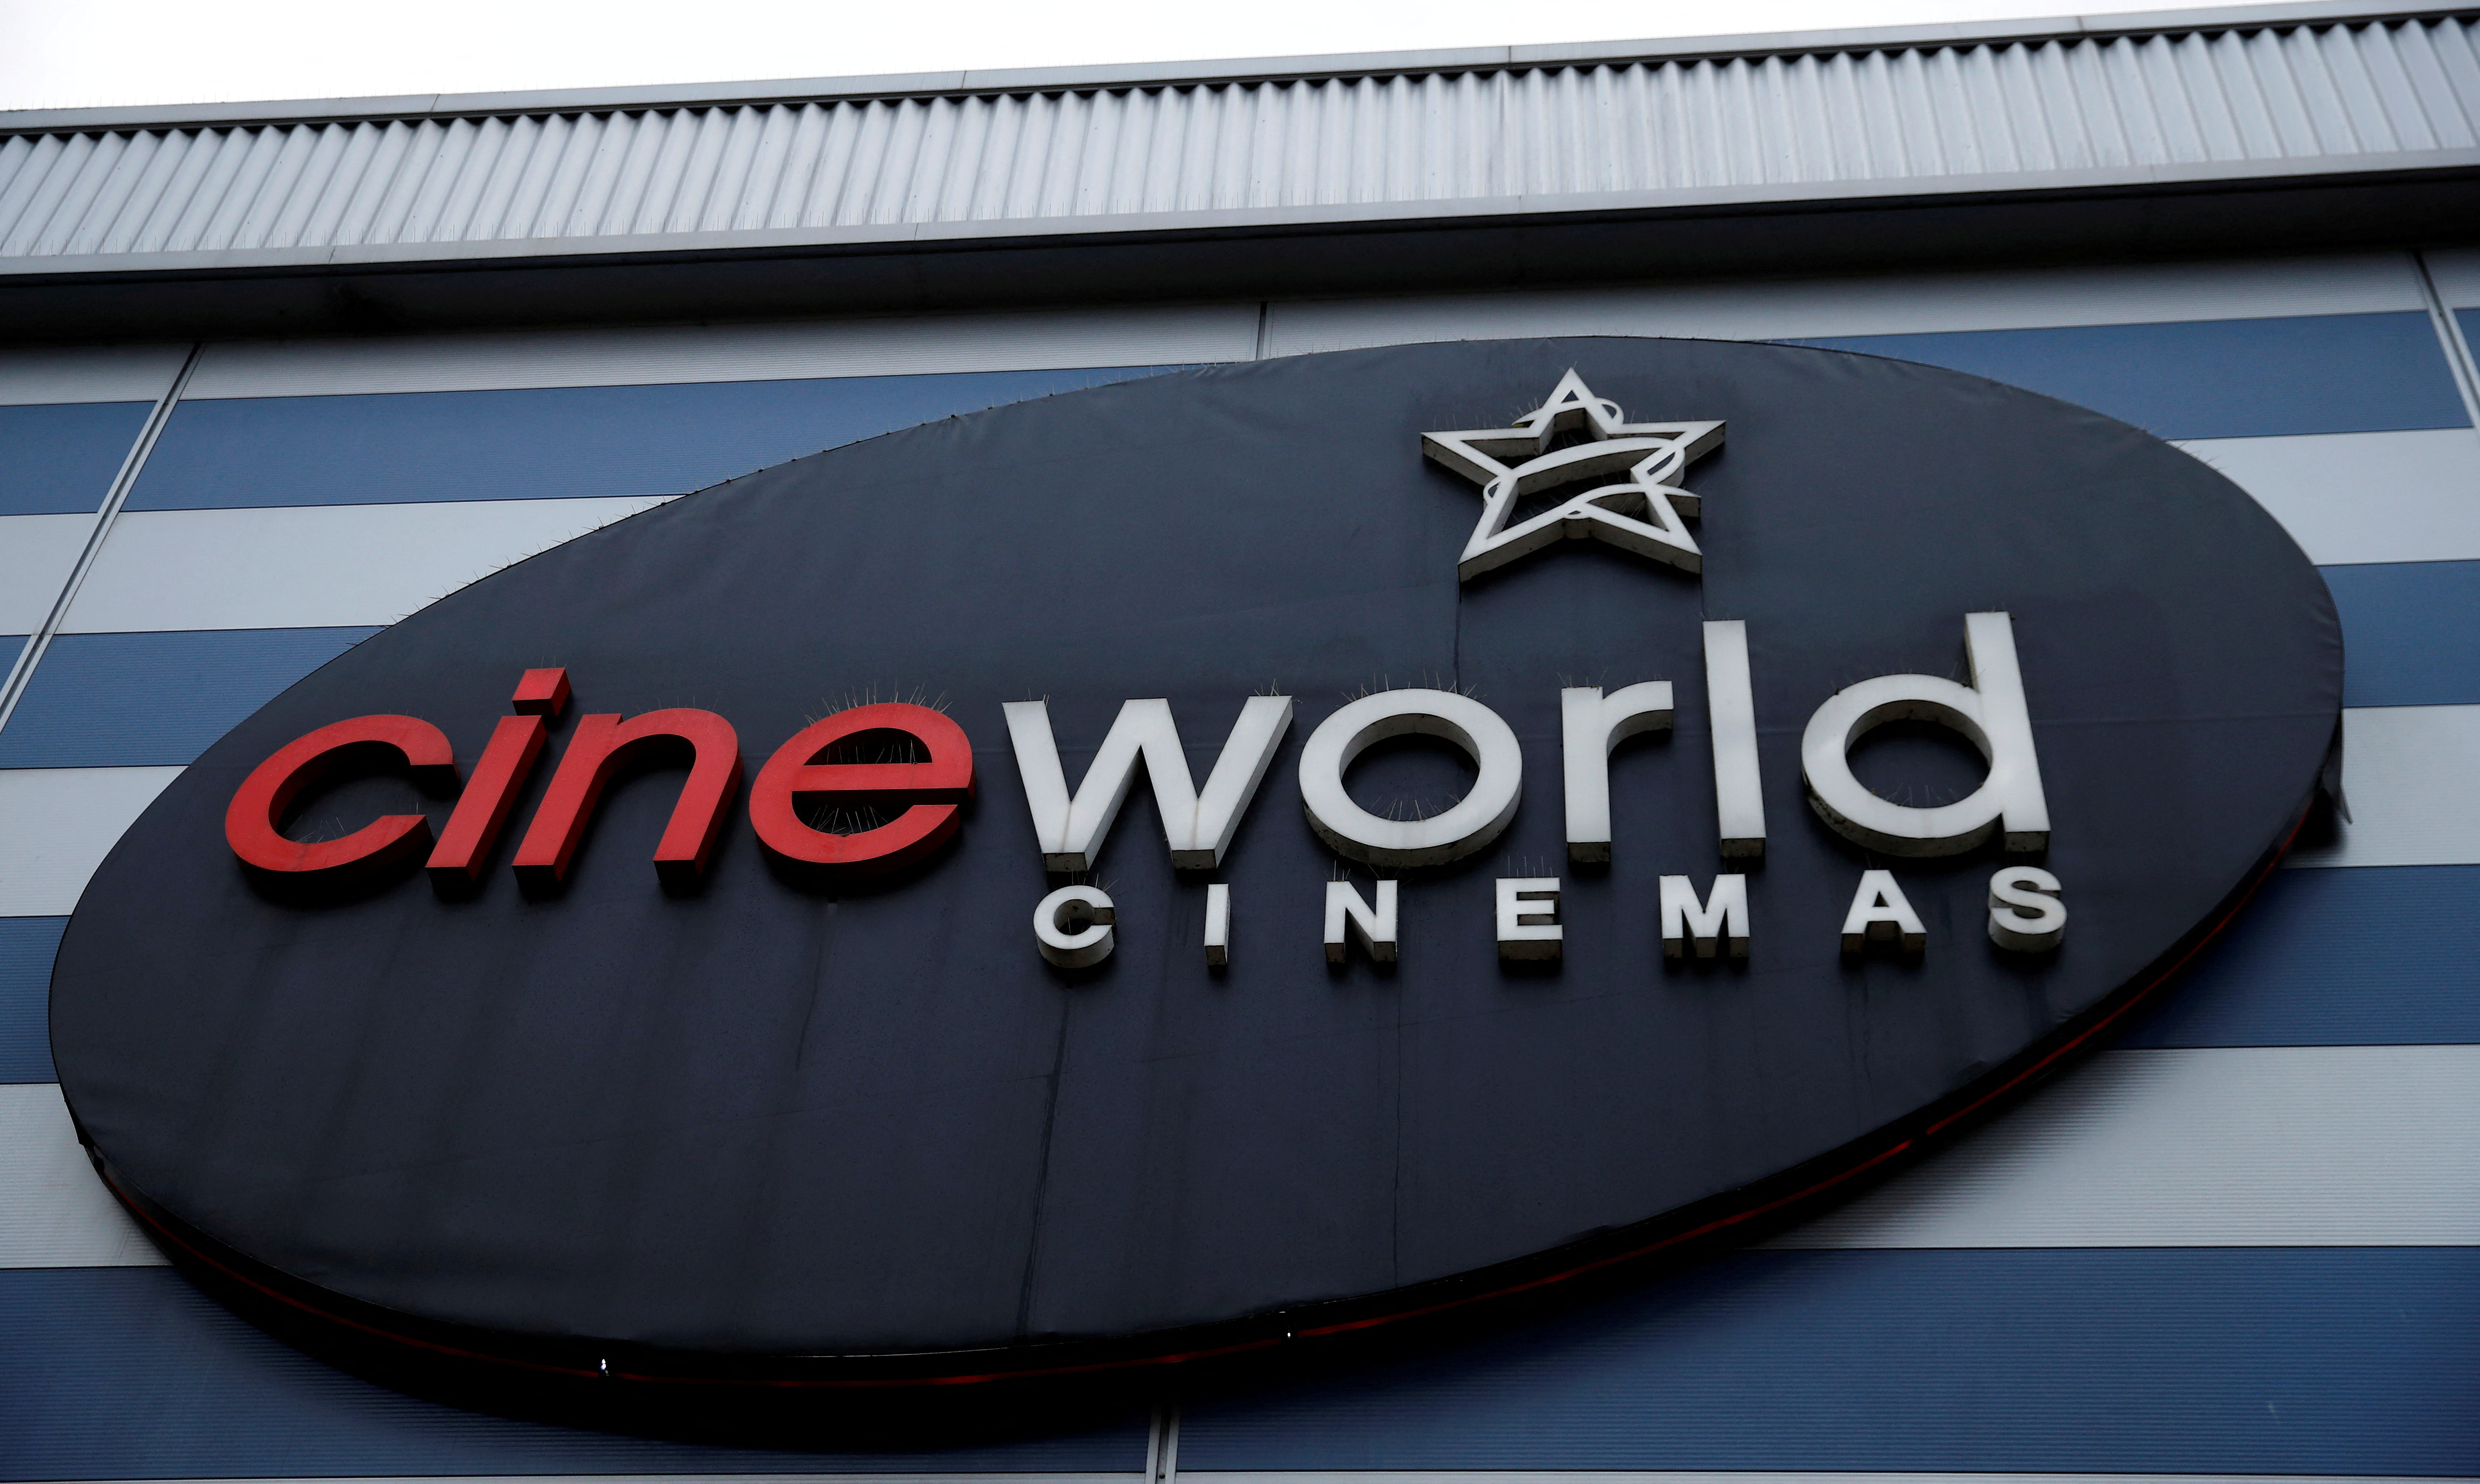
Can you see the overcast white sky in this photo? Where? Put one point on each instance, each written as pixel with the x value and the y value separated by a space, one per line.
pixel 75 53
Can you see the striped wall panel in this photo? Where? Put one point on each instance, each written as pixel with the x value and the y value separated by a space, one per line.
pixel 2350 373
pixel 58 824
pixel 545 441
pixel 2411 631
pixel 2377 497
pixel 87 374
pixel 36 553
pixel 2303 1360
pixel 1981 299
pixel 1037 339
pixel 130 1373
pixel 27 945
pixel 2410 773
pixel 2385 956
pixel 1857 304
pixel 2215 378
pixel 57 1214
pixel 2229 379
pixel 2292 1146
pixel 2242 1244
pixel 315 566
pixel 2352 497
pixel 103 700
pixel 2222 1147
pixel 2223 1360
pixel 62 457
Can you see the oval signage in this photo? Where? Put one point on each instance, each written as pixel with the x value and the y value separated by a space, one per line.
pixel 1196 866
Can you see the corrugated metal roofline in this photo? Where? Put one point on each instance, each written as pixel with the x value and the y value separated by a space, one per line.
pixel 1153 76
pixel 2302 124
pixel 2363 96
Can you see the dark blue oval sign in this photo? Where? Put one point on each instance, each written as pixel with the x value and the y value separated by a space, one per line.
pixel 1194 867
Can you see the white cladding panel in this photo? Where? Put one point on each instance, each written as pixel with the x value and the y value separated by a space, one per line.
pixel 88 373
pixel 54 1210
pixel 2352 497
pixel 36 554
pixel 315 566
pixel 58 824
pixel 2257 1146
pixel 1349 143
pixel 2412 777
pixel 1037 339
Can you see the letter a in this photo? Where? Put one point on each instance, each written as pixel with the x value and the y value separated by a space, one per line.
pixel 1880 911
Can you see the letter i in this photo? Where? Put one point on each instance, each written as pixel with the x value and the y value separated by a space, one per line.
pixel 499 776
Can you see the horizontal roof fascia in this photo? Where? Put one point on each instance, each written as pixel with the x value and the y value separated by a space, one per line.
pixel 2308 13
pixel 1605 205
pixel 1513 249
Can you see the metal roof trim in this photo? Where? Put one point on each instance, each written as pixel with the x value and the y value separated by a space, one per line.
pixel 1142 75
pixel 1371 216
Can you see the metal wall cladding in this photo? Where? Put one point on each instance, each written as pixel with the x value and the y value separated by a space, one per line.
pixel 995 160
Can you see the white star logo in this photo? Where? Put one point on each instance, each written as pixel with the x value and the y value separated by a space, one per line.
pixel 1643 515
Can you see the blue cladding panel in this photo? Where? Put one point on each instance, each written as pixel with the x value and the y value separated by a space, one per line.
pixel 130 1373
pixel 2215 378
pixel 2372 956
pixel 2411 631
pixel 124 700
pixel 541 443
pixel 2239 1360
pixel 27 945
pixel 60 458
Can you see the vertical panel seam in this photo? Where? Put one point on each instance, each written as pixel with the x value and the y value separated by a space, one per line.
pixel 1162 1445
pixel 2450 338
pixel 22 672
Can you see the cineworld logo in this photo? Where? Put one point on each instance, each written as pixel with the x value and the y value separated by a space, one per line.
pixel 1076 926
pixel 1710 868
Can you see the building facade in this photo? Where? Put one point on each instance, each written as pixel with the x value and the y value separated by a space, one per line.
pixel 279 375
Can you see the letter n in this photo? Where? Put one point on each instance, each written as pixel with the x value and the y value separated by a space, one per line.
pixel 604 748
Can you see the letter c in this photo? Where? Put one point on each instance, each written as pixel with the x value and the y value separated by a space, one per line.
pixel 252 821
